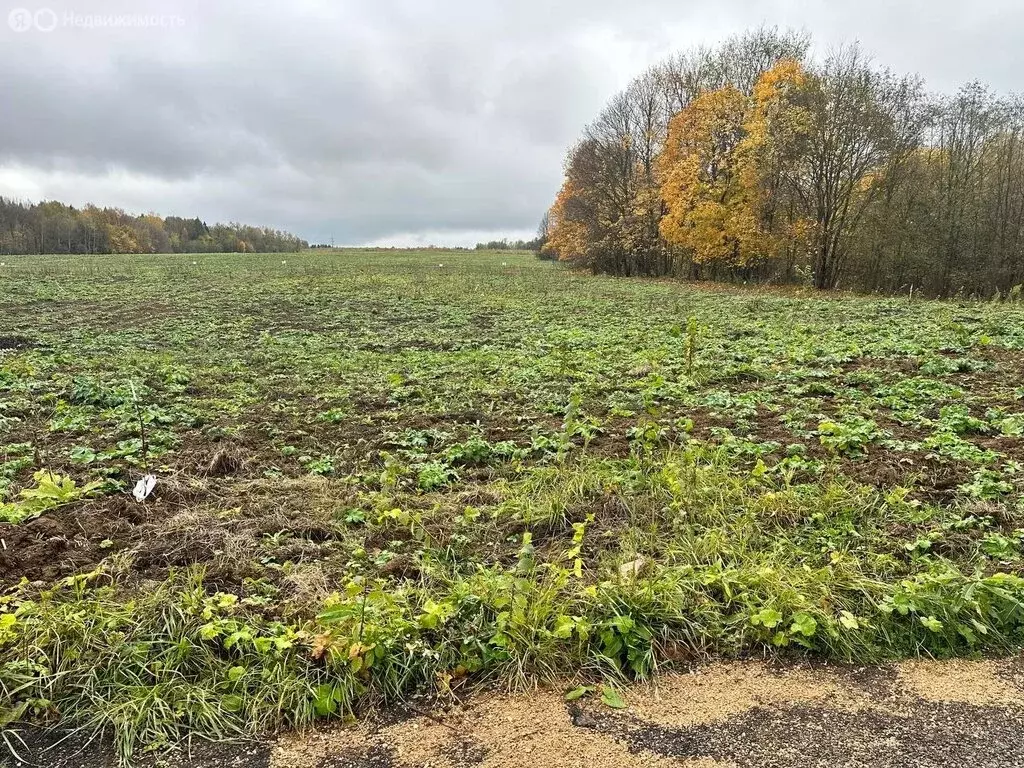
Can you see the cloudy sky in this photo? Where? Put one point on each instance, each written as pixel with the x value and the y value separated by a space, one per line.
pixel 385 121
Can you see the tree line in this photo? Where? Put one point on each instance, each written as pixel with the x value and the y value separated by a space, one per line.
pixel 511 245
pixel 53 227
pixel 753 161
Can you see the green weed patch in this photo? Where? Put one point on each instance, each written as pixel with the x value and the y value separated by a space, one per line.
pixel 378 476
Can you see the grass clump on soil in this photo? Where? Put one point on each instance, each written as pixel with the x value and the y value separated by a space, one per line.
pixel 732 562
pixel 377 477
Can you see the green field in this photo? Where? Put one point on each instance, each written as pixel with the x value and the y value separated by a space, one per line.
pixel 386 471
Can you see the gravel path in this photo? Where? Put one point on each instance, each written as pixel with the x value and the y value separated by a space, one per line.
pixel 739 714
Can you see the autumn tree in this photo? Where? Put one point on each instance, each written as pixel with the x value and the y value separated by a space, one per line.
pixel 776 131
pixel 612 197
pixel 53 227
pixel 738 62
pixel 865 124
pixel 723 172
pixel 708 210
pixel 121 239
pixel 567 231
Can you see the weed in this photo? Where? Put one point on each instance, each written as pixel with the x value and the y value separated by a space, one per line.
pixel 449 477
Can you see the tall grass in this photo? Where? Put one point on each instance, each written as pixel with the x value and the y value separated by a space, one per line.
pixel 618 567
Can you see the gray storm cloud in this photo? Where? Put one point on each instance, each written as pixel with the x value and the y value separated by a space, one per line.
pixel 388 121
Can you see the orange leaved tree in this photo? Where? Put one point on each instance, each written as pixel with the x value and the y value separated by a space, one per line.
pixel 722 172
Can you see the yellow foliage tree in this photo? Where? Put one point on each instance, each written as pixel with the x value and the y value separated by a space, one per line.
pixel 775 128
pixel 720 170
pixel 701 178
pixel 122 239
pixel 567 235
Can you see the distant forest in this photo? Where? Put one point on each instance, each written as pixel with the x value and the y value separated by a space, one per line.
pixel 52 227
pixel 755 162
pixel 512 245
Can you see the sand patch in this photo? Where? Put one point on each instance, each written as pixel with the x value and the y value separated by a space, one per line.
pixel 546 736
pixel 715 705
pixel 720 691
pixel 968 682
pixel 496 731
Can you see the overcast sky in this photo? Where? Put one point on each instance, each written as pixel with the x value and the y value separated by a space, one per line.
pixel 386 121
